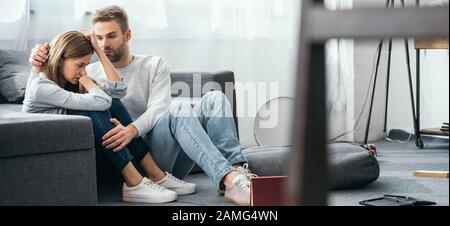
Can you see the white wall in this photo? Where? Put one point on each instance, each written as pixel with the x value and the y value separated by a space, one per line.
pixel 434 84
pixel 257 61
pixel 189 44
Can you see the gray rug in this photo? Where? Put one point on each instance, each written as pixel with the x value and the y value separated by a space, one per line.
pixel 397 163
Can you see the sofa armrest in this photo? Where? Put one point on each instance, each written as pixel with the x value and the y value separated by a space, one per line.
pixel 47 160
pixel 30 134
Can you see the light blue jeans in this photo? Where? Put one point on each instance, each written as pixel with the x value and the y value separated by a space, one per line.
pixel 204 134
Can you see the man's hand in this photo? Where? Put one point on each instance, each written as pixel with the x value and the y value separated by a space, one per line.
pixel 119 137
pixel 39 56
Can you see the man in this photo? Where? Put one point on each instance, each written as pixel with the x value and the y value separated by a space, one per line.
pixel 178 135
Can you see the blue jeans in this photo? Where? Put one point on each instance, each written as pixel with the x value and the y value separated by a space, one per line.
pixel 134 151
pixel 204 134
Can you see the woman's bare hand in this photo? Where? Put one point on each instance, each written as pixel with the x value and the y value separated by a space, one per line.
pixel 87 83
pixel 91 36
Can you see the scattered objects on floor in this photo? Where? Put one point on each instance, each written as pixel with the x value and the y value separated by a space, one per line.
pixel 431 173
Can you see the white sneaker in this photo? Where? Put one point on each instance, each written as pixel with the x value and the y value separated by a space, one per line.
pixel 179 186
pixel 246 171
pixel 243 170
pixel 239 192
pixel 148 192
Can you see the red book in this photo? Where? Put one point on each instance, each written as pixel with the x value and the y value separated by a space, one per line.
pixel 268 191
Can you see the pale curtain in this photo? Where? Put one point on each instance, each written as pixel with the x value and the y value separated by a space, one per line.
pixel 15 19
pixel 151 13
pixel 340 81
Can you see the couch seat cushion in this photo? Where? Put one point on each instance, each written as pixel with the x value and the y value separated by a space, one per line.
pixel 14 72
pixel 10 108
pixel 30 134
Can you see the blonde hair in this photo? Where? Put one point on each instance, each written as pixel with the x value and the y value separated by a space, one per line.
pixel 112 13
pixel 71 44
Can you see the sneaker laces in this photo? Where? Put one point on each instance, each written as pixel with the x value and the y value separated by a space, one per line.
pixel 244 183
pixel 246 171
pixel 154 186
pixel 171 177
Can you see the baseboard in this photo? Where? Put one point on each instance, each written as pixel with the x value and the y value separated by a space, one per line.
pixel 402 135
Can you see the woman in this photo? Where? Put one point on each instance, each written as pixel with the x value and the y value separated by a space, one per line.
pixel 61 86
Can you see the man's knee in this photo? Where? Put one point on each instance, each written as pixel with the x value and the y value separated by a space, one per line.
pixel 182 109
pixel 215 104
pixel 214 96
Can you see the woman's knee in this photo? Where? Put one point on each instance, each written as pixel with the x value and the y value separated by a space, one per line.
pixel 116 103
pixel 93 113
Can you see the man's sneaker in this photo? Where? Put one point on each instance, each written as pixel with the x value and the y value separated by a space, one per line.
pixel 148 192
pixel 245 170
pixel 239 192
pixel 240 169
pixel 179 186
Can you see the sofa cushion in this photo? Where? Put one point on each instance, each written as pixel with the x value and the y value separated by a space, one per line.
pixel 350 166
pixel 14 72
pixel 10 108
pixel 268 160
pixel 29 134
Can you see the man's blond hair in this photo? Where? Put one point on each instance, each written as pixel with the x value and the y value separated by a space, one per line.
pixel 112 13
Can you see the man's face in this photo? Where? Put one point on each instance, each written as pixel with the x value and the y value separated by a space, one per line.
pixel 111 39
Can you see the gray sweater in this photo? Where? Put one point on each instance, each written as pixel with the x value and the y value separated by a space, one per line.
pixel 148 96
pixel 45 96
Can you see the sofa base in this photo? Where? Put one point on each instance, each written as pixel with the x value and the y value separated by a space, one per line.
pixel 60 178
